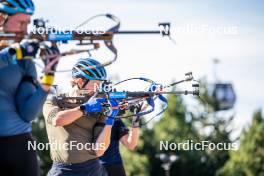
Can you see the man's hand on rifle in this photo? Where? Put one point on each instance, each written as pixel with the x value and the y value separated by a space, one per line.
pixel 50 57
pixel 95 105
pixel 24 50
pixel 136 109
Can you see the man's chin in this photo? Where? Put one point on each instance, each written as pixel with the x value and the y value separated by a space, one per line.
pixel 87 92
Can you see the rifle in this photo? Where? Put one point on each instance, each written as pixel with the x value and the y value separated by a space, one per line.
pixel 43 33
pixel 120 102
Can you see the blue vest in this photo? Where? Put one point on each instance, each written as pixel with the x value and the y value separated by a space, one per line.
pixel 20 101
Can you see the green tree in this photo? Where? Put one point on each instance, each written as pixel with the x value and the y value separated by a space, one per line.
pixel 178 125
pixel 174 127
pixel 136 164
pixel 249 159
pixel 217 124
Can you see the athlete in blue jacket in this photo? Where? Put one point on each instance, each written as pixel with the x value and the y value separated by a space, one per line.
pixel 21 96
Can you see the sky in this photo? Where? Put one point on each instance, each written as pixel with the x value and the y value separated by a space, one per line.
pixel 231 31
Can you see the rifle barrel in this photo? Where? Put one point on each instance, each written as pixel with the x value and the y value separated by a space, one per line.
pixel 142 94
pixel 139 94
pixel 138 32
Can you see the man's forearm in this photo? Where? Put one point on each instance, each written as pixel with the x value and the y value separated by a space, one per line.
pixel 104 138
pixel 133 138
pixel 66 117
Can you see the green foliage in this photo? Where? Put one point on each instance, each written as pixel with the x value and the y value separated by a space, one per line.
pixel 249 159
pixel 174 128
pixel 178 125
pixel 136 164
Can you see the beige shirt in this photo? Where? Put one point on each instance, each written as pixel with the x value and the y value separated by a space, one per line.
pixel 73 143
